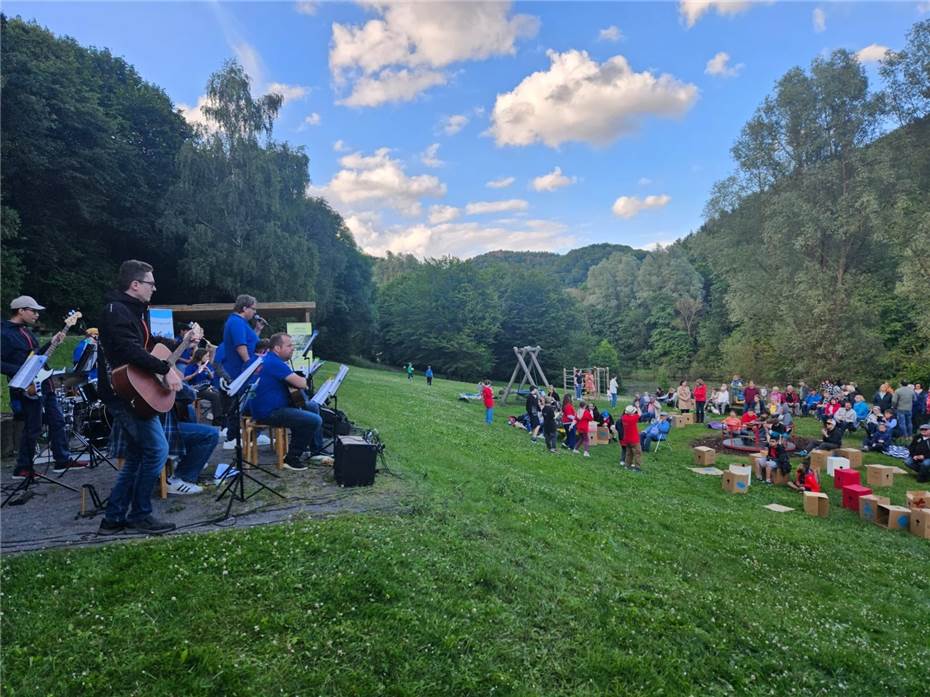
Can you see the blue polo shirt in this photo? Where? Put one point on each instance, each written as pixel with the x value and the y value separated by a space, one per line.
pixel 270 391
pixel 237 332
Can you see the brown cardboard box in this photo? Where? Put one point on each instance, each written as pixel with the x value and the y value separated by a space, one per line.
pixel 816 504
pixel 704 456
pixel 679 420
pixel 868 506
pixel 854 455
pixel 819 460
pixel 757 460
pixel 920 522
pixel 893 517
pixel 780 479
pixel 689 418
pixel 879 475
pixel 603 435
pixel 918 499
pixel 735 483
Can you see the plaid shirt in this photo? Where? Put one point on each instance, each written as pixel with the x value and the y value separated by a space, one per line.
pixel 119 445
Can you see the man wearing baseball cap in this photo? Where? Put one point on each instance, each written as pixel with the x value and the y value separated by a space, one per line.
pixel 18 343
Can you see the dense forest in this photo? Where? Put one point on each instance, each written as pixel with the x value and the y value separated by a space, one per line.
pixel 812 261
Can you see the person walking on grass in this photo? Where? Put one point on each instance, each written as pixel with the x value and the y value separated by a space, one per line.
pixel 487 396
pixel 429 376
pixel 409 370
pixel 631 451
pixel 585 417
pixel 612 389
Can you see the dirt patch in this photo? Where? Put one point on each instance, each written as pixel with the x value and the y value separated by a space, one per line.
pixel 716 442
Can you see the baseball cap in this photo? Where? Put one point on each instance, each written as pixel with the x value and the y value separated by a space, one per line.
pixel 24 302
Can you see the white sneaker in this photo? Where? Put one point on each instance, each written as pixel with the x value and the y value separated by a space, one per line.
pixel 223 433
pixel 587 454
pixel 263 439
pixel 182 488
pixel 223 471
pixel 229 445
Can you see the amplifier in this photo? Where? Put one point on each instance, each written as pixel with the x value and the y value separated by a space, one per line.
pixel 354 461
pixel 335 423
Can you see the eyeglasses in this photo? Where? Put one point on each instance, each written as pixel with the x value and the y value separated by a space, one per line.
pixel 149 283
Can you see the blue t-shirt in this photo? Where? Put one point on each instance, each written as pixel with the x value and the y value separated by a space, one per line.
pixel 270 391
pixel 205 376
pixel 237 332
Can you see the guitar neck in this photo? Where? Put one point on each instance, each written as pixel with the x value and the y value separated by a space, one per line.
pixel 176 354
pixel 53 344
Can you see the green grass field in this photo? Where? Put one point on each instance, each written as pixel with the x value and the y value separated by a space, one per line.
pixel 509 570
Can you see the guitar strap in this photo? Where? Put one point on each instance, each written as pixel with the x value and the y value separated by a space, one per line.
pixel 148 334
pixel 28 337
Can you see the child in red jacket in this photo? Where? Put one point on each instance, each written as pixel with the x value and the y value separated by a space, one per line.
pixel 585 417
pixel 631 451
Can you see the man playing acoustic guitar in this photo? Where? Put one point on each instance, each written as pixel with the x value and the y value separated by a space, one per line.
pixel 124 337
pixel 18 342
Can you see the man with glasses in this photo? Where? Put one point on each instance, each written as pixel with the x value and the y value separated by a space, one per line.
pixel 18 343
pixel 124 339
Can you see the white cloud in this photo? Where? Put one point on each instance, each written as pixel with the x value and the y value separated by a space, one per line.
pixel 409 44
pixel 552 181
pixel 501 183
pixel 289 92
pixel 819 18
pixel 392 86
pixel 453 124
pixel 611 33
pixel 462 239
pixel 872 53
pixel 430 156
pixel 312 120
pixel 379 180
pixel 630 206
pixel 194 114
pixel 644 181
pixel 657 245
pixel 250 60
pixel 340 146
pixel 692 10
pixel 578 99
pixel 720 65
pixel 306 7
pixel 483 207
pixel 443 214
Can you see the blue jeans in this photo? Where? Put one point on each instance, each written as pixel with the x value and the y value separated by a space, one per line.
pixel 488 415
pixel 146 452
pixel 570 436
pixel 306 427
pixel 200 441
pixel 905 425
pixel 32 411
pixel 578 389
pixel 613 400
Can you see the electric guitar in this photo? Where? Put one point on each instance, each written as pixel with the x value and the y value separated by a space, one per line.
pixel 146 392
pixel 34 391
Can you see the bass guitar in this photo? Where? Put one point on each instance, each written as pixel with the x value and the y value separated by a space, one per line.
pixel 34 391
pixel 146 392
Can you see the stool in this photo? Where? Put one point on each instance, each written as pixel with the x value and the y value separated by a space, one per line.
pixel 845 477
pixel 250 430
pixel 169 464
pixel 851 494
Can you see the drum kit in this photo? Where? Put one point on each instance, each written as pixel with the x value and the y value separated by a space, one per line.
pixel 85 415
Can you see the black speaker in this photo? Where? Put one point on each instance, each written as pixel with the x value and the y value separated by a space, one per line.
pixel 354 463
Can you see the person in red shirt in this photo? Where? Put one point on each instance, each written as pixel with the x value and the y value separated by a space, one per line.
pixel 568 422
pixel 732 424
pixel 487 396
pixel 805 479
pixel 750 395
pixel 585 418
pixel 631 451
pixel 700 398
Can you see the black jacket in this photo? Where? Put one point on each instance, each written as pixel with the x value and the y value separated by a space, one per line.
pixel 16 343
pixel 123 337
pixel 919 446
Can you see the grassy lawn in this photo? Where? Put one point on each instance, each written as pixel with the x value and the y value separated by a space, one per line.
pixel 509 571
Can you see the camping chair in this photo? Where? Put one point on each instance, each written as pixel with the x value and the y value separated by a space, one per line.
pixel 661 439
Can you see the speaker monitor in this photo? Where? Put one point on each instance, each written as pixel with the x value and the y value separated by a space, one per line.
pixel 354 461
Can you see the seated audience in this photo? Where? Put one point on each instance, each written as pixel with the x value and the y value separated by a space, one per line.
pixel 776 457
pixel 877 441
pixel 657 430
pixel 832 437
pixel 805 479
pixel 918 458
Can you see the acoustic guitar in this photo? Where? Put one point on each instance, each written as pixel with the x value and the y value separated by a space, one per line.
pixel 34 391
pixel 146 392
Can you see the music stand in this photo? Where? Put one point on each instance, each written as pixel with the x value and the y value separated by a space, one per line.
pixel 326 392
pixel 24 377
pixel 308 344
pixel 239 391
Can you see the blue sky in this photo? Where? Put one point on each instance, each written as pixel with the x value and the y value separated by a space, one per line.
pixel 461 128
